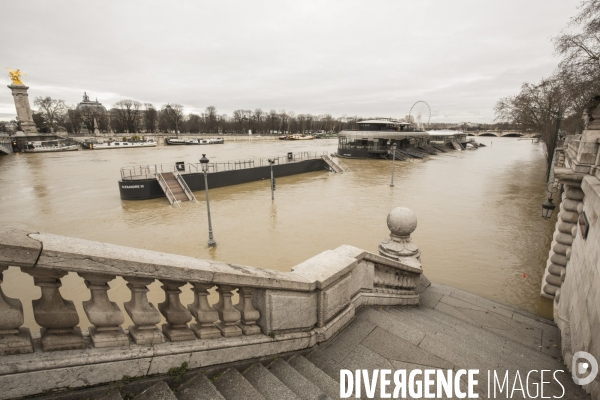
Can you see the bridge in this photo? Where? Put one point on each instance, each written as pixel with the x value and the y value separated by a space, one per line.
pixel 5 145
pixel 502 134
pixel 288 335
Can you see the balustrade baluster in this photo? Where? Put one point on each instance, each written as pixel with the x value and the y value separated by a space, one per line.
pixel 104 314
pixel 143 314
pixel 176 314
pixel 57 316
pixel 249 315
pixel 13 338
pixel 228 314
pixel 205 315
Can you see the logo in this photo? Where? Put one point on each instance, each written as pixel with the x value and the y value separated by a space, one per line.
pixel 582 363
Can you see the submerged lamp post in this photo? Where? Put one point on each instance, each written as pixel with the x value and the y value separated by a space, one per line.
pixel 393 151
pixel 204 161
pixel 548 206
pixel 271 162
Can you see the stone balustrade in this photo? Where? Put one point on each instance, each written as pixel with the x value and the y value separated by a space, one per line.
pixel 282 311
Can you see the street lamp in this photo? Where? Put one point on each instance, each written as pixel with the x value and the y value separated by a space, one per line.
pixel 169 111
pixel 271 162
pixel 548 206
pixel 204 162
pixel 393 151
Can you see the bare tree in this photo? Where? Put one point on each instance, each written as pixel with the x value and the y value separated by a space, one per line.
pixel 536 109
pixel 174 113
pixel 51 109
pixel 127 113
pixel 150 118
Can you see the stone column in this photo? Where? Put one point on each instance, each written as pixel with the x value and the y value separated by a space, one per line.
pixel 104 314
pixel 401 222
pixel 175 313
pixel 13 338
pixel 57 316
pixel 24 113
pixel 228 315
pixel 205 315
pixel 143 314
pixel 249 315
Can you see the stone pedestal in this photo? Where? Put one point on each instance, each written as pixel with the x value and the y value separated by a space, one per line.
pixel 24 113
pixel 401 222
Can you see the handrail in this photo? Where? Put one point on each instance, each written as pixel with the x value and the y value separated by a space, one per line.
pixel 165 187
pixel 185 187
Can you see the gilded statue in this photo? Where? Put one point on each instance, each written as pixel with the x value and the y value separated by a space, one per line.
pixel 15 76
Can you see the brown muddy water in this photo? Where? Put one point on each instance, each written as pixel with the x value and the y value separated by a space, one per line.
pixel 479 224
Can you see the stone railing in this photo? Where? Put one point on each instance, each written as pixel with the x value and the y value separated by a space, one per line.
pixel 276 311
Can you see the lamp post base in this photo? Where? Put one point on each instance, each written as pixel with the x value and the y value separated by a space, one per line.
pixel 211 243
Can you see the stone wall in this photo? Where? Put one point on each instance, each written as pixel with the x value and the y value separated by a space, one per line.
pixel 572 275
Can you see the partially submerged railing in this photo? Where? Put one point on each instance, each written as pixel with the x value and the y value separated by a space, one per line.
pixel 186 189
pixel 297 309
pixel 150 171
pixel 165 187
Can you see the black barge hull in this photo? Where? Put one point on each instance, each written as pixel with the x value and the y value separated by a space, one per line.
pixel 142 189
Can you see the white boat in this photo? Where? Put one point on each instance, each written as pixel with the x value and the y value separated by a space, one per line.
pixel 176 141
pixel 49 146
pixel 123 145
pixel 301 137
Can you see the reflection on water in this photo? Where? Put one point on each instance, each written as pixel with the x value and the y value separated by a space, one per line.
pixel 479 214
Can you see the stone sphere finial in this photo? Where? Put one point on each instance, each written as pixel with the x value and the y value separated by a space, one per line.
pixel 402 221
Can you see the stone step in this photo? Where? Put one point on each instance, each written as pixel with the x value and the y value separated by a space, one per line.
pixel 484 337
pixel 325 364
pixel 294 380
pixel 199 387
pixel 159 391
pixel 267 384
pixel 233 386
pixel 113 394
pixel 311 372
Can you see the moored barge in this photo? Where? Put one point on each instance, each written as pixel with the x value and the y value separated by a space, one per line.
pixel 150 181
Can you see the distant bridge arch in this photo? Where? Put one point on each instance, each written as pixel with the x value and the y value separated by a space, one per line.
pixel 512 134
pixel 488 134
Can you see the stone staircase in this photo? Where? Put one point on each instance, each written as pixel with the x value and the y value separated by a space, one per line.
pixel 295 377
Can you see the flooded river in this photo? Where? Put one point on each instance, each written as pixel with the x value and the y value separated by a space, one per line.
pixel 479 225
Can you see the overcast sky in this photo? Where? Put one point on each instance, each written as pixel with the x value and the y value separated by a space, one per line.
pixel 365 58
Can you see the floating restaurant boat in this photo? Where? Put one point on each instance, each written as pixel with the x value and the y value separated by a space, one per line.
pixel 49 146
pixel 123 145
pixel 374 139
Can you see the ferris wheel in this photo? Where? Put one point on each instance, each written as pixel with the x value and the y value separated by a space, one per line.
pixel 420 114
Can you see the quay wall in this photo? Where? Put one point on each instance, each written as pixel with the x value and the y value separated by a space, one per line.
pixel 572 276
pixel 140 189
